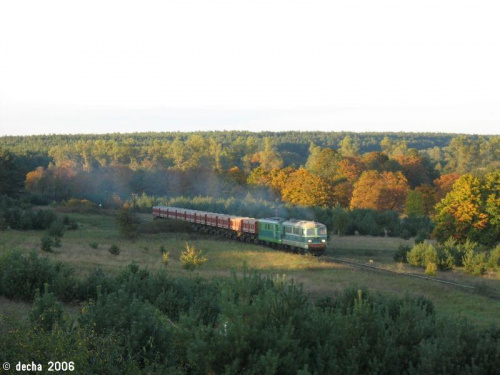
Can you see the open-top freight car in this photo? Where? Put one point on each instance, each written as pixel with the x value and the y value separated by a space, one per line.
pixel 277 232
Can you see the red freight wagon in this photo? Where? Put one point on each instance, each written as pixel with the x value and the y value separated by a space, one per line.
pixel 156 211
pixel 172 213
pixel 235 223
pixel 223 221
pixel 190 215
pixel 200 217
pixel 211 219
pixel 181 214
pixel 163 211
pixel 250 225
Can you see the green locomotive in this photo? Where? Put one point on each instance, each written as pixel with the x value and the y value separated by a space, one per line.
pixel 295 235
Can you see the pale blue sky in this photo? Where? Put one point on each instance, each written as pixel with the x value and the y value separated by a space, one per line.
pixel 123 66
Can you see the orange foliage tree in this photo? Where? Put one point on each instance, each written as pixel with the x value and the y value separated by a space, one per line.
pixel 306 189
pixel 444 184
pixel 380 191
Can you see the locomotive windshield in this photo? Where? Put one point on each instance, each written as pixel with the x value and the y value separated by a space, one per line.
pixel 322 231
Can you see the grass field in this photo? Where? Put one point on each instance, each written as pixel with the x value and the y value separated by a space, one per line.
pixel 319 277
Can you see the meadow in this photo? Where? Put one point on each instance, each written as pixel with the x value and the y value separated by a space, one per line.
pixel 318 277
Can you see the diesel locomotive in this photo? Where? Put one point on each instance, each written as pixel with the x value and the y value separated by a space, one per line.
pixel 287 234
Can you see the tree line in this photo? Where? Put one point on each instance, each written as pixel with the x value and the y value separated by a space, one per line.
pixel 276 167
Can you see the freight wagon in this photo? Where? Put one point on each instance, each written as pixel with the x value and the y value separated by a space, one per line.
pixel 293 235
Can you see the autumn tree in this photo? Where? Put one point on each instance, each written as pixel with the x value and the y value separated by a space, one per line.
pixel 470 210
pixel 414 168
pixel 306 189
pixel 380 191
pixel 444 184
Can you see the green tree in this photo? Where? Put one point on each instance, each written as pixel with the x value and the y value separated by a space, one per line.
pixel 128 223
pixel 414 205
pixel 349 147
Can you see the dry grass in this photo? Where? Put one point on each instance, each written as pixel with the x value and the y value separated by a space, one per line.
pixel 319 277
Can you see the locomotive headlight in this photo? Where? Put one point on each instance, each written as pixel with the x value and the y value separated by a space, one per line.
pixel 323 240
pixel 309 241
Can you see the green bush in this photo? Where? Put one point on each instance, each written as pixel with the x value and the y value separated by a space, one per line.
pixel 94 245
pixel 46 311
pixel 405 234
pixel 22 275
pixel 114 249
pixel 401 253
pixel 128 223
pixel 46 243
pixel 421 254
pixel 474 263
pixel 421 236
pixel 143 331
pixel 56 229
pixel 494 258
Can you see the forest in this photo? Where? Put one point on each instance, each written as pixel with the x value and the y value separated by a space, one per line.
pixel 449 180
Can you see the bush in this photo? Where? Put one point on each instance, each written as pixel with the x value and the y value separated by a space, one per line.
pixel 46 311
pixel 494 258
pixel 143 331
pixel 94 245
pixel 128 223
pixel 164 258
pixel 401 253
pixel 421 254
pixel 21 276
pixel 46 243
pixel 405 234
pixel 57 241
pixel 56 229
pixel 431 269
pixel 114 249
pixel 191 259
pixel 474 263
pixel 421 236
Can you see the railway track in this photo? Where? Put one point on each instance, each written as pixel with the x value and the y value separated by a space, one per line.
pixel 490 293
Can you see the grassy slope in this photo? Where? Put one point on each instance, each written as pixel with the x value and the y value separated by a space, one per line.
pixel 319 278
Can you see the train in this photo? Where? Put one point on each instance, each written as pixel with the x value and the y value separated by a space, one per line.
pixel 301 236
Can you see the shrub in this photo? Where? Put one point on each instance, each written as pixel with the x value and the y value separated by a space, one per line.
pixel 114 249
pixel 94 245
pixel 474 263
pixel 143 331
pixel 431 269
pixel 421 236
pixel 405 234
pixel 162 249
pixel 164 258
pixel 401 253
pixel 56 229
pixel 446 260
pixel 46 311
pixel 46 243
pixel 421 254
pixel 57 241
pixel 128 223
pixel 191 259
pixel 494 258
pixel 22 275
